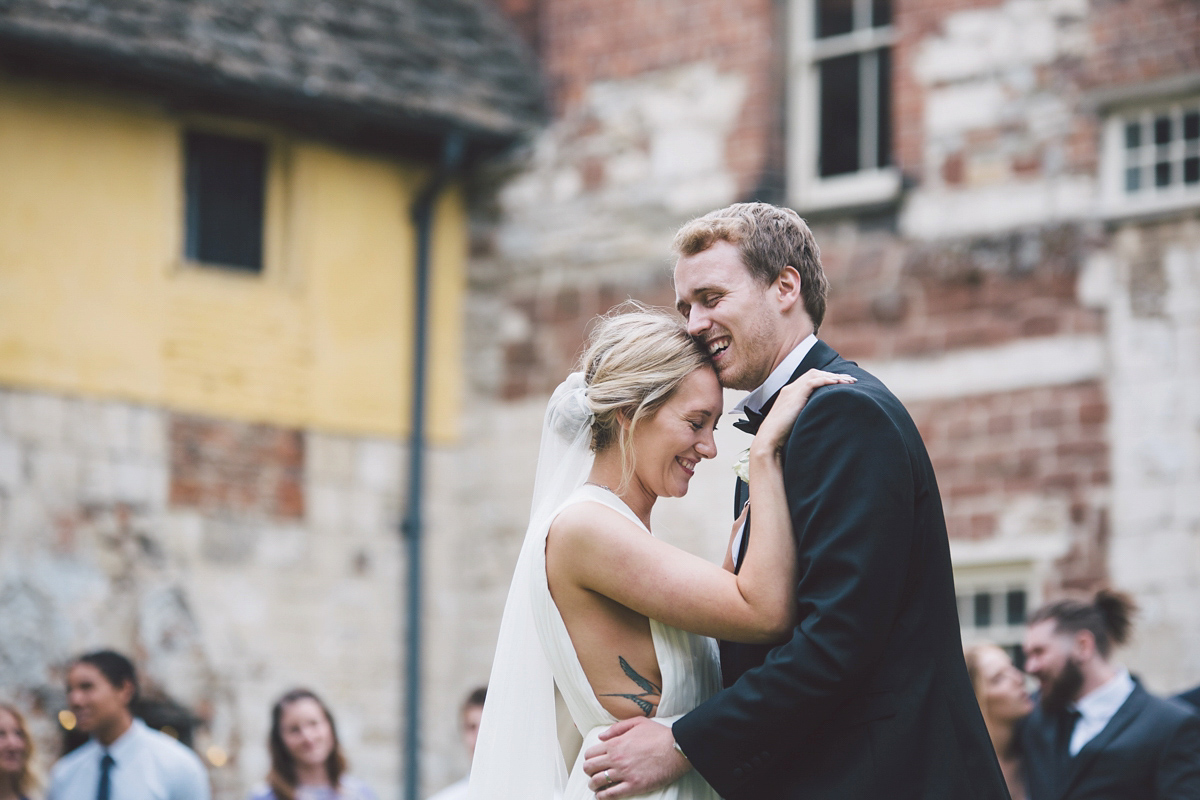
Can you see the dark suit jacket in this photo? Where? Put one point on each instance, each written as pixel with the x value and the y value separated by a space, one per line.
pixel 1150 750
pixel 1192 698
pixel 870 697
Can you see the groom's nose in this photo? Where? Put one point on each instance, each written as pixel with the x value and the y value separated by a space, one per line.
pixel 697 321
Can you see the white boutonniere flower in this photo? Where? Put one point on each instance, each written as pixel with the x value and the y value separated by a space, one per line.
pixel 741 467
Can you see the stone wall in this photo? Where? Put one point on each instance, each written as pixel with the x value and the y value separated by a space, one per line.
pixel 231 561
pixel 1152 278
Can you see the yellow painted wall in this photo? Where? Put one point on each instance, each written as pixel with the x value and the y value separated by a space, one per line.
pixel 96 299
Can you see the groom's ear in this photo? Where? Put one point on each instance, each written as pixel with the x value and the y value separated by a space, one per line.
pixel 787 288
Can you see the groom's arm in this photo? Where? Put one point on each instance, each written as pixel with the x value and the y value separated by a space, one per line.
pixel 850 493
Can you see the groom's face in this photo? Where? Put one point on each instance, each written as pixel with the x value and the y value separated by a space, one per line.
pixel 729 313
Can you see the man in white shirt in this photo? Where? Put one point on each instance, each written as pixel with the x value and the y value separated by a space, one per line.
pixel 1096 732
pixel 124 759
pixel 472 712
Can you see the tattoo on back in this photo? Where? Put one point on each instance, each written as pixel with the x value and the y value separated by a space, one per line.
pixel 649 690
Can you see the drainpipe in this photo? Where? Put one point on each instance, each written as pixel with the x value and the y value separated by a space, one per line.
pixel 422 217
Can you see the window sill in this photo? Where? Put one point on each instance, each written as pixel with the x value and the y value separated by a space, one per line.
pixel 1166 204
pixel 861 189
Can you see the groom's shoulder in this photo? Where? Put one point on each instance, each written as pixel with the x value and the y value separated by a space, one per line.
pixel 867 399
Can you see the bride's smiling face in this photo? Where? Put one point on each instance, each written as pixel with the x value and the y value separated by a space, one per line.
pixel 668 446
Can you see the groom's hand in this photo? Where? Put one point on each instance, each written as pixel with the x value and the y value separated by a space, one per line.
pixel 634 756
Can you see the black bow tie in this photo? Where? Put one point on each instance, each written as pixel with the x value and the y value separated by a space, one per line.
pixel 751 423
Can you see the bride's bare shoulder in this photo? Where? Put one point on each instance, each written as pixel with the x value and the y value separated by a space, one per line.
pixel 587 524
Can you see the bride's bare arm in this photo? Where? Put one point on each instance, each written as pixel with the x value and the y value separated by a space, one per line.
pixel 600 550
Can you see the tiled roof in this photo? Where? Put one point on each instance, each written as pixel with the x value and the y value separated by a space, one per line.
pixel 381 68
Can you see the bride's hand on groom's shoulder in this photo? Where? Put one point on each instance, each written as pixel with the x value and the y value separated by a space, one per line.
pixel 775 429
pixel 634 756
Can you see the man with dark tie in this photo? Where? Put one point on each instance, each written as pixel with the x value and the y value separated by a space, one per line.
pixel 1095 732
pixel 123 759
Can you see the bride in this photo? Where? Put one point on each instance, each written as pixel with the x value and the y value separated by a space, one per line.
pixel 617 620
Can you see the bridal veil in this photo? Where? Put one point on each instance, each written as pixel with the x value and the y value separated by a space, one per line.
pixel 518 754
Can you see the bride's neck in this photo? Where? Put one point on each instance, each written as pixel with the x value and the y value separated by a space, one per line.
pixel 606 472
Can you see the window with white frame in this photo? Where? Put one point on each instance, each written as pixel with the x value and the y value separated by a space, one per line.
pixel 840 103
pixel 1152 157
pixel 993 604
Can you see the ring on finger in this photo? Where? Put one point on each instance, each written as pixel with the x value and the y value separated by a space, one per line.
pixel 608 781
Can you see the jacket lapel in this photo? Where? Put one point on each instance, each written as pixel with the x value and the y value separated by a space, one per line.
pixel 819 356
pixel 1126 714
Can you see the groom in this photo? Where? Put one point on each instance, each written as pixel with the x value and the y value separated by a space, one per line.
pixel 869 698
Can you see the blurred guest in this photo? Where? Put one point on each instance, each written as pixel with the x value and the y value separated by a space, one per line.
pixel 1000 690
pixel 307 762
pixel 472 711
pixel 16 754
pixel 1095 731
pixel 123 759
pixel 1192 698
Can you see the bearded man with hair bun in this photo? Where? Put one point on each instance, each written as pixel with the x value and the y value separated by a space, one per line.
pixel 1095 732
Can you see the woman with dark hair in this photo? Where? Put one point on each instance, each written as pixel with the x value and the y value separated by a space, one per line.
pixel 16 754
pixel 307 762
pixel 1000 689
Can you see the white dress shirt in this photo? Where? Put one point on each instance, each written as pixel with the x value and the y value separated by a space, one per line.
pixel 759 397
pixel 147 765
pixel 1097 707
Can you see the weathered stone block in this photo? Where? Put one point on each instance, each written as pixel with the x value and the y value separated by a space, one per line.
pixel 35 417
pixel 54 472
pixel 11 465
pixel 377 465
pixel 331 457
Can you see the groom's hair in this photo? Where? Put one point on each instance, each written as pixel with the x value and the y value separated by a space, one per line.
pixel 1109 617
pixel 768 238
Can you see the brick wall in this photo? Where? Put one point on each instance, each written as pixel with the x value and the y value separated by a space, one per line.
pixel 993 253
pixel 991 451
pixel 1141 40
pixel 226 467
pixel 583 41
pixel 895 299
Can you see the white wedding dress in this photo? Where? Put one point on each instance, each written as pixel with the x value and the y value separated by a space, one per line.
pixel 688 663
pixel 517 755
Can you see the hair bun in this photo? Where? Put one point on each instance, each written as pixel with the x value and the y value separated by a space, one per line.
pixel 1117 610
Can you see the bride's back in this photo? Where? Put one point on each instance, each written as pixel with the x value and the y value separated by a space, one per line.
pixel 613 643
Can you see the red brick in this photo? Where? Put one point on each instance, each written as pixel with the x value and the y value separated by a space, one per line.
pixel 224 466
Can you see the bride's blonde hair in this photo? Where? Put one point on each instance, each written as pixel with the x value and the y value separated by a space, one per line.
pixel 637 356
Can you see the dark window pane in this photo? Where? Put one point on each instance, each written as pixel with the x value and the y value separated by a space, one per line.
pixel 983 610
pixel 885 108
pixel 1162 173
pixel 1017 655
pixel 1015 607
pixel 1191 170
pixel 1133 179
pixel 1162 130
pixel 834 17
pixel 1191 125
pixel 881 13
pixel 1133 136
pixel 225 184
pixel 838 151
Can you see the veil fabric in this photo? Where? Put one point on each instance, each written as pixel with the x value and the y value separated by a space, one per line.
pixel 517 754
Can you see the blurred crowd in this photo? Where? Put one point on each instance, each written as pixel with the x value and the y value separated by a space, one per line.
pixel 124 759
pixel 1089 729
